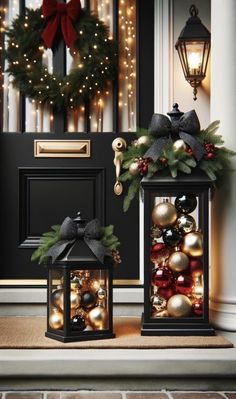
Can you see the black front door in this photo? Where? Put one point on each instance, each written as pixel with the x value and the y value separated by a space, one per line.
pixel 42 182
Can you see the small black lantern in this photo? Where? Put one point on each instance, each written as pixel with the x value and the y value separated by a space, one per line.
pixel 193 46
pixel 176 256
pixel 79 293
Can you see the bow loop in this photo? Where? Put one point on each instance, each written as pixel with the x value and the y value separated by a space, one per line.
pixel 63 15
pixel 185 127
pixel 70 232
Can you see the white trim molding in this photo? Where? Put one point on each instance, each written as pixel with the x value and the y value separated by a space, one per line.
pixel 164 52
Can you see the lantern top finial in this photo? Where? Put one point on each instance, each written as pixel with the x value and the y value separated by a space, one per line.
pixel 193 11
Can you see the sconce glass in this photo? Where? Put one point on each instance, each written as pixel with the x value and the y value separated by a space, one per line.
pixel 193 46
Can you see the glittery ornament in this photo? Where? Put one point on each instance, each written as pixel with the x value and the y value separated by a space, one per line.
pixel 156 232
pixel 94 284
pixel 162 277
pixel 185 203
pixel 162 313
pixel 158 302
pixel 172 236
pixel 159 253
pixel 164 214
pixel 184 284
pixel 186 224
pixel 195 264
pixel 179 306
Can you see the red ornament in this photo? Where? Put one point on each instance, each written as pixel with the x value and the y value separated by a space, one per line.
pixel 162 277
pixel 184 284
pixel 158 246
pixel 198 307
pixel 166 293
pixel 163 160
pixel 195 264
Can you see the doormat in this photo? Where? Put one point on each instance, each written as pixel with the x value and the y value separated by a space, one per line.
pixel 28 333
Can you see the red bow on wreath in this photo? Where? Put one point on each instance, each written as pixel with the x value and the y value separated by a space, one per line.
pixel 60 14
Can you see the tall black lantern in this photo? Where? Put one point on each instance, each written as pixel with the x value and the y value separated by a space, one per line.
pixel 79 294
pixel 193 46
pixel 176 260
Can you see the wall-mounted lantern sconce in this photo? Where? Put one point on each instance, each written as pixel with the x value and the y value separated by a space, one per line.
pixel 193 46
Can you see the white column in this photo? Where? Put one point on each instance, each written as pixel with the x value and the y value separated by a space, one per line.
pixel 223 107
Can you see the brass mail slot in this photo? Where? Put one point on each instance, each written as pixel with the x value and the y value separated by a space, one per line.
pixel 62 148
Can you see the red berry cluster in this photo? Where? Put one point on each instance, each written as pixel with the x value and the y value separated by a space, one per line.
pixel 210 150
pixel 143 165
pixel 189 151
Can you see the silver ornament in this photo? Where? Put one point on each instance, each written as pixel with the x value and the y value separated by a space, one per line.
pixel 134 169
pixel 158 302
pixel 186 223
pixel 101 293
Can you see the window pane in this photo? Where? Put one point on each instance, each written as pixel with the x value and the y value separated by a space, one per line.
pixel 127 65
pixel 39 117
pixel 9 97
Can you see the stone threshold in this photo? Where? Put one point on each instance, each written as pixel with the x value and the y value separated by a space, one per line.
pixel 105 369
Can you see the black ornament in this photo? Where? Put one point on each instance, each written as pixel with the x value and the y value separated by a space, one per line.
pixel 185 203
pixel 78 323
pixel 172 237
pixel 88 299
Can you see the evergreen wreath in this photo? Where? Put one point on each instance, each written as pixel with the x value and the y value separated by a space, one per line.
pixel 215 162
pixel 95 55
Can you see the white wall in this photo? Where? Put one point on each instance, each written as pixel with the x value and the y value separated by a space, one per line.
pixel 182 91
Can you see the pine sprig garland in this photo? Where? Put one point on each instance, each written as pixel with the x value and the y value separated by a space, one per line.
pixel 216 161
pixel 94 61
pixel 109 240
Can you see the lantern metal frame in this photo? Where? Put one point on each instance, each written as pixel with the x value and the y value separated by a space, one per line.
pixel 79 257
pixel 194 33
pixel 199 185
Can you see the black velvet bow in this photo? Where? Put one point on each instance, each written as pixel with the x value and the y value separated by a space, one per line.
pixel 70 231
pixel 162 128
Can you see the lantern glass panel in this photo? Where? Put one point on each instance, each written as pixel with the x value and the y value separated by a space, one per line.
pixel 176 288
pixel 56 299
pixel 89 299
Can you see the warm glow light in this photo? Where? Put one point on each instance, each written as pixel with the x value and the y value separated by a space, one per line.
pixel 194 60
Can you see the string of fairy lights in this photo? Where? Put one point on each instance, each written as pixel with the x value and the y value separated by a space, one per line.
pixel 40 117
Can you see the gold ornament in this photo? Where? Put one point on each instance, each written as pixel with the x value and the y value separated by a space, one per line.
pixel 94 284
pixel 98 318
pixel 179 306
pixel 162 313
pixel 179 145
pixel 75 300
pixel 178 261
pixel 145 140
pixel 133 169
pixel 56 297
pixel 164 214
pixel 186 223
pixel 56 319
pixel 193 244
pixel 101 293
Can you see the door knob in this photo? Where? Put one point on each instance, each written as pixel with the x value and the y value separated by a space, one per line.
pixel 118 145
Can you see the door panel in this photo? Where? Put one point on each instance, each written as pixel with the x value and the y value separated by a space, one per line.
pixel 37 192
